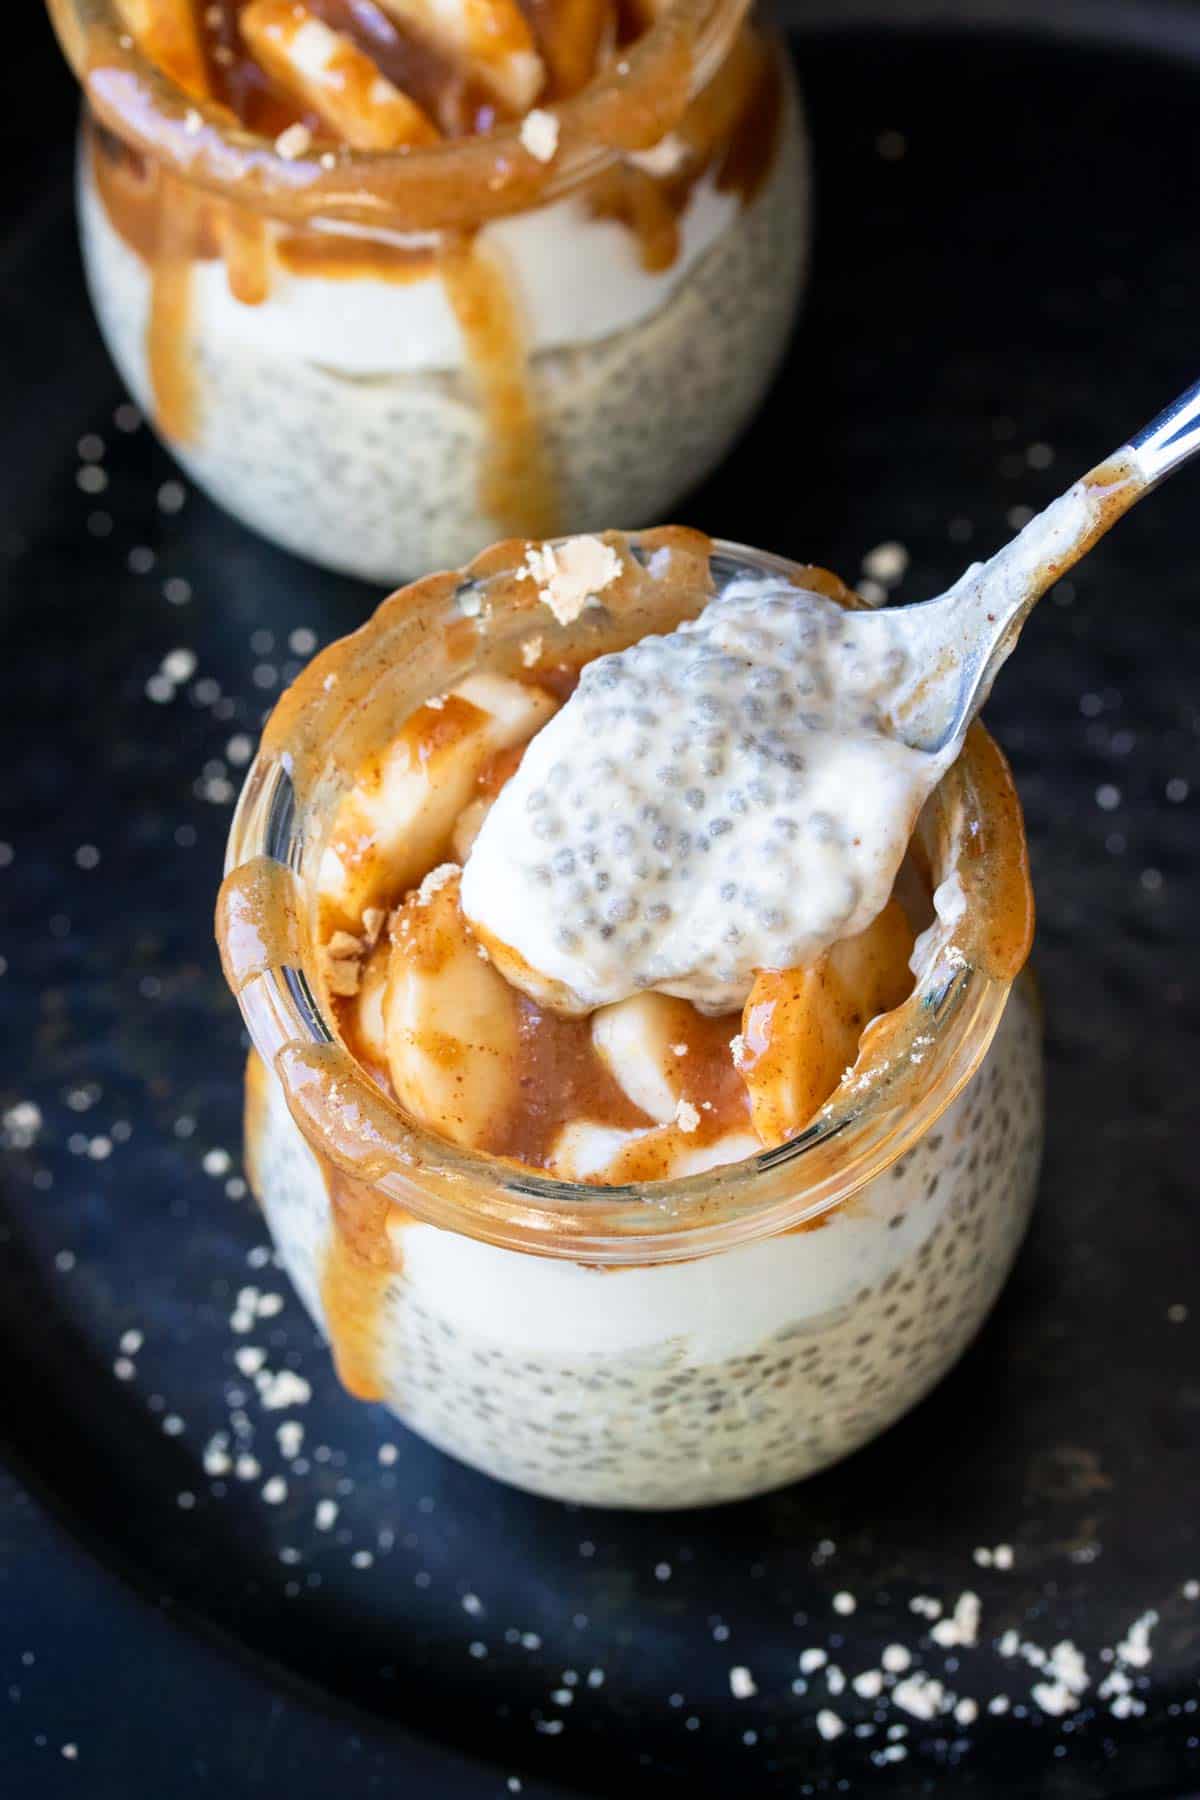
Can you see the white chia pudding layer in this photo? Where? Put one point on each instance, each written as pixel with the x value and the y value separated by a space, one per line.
pixel 378 475
pixel 706 1380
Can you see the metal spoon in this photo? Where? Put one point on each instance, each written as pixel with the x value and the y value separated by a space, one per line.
pixel 959 641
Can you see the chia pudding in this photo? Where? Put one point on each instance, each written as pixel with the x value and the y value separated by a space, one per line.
pixel 524 318
pixel 638 1247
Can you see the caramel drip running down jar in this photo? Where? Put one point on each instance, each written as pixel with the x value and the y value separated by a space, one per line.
pixel 386 359
pixel 668 1344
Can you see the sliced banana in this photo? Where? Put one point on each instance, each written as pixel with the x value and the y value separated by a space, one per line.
pixel 366 1021
pixel 735 1146
pixel 801 1027
pixel 634 1040
pixel 584 1151
pixel 468 825
pixel 396 822
pixel 450 1022
pixel 493 35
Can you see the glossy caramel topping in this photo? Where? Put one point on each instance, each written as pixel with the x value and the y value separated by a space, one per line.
pixel 517 487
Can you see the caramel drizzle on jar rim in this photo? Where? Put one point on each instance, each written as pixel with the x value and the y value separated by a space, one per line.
pixel 630 105
pixel 344 703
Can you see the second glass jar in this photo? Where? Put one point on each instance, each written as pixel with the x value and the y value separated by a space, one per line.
pixel 387 362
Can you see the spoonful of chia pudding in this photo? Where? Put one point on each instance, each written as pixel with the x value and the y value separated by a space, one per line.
pixel 739 793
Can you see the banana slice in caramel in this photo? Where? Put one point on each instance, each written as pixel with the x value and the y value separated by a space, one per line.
pixel 492 36
pixel 396 822
pixel 635 1039
pixel 801 1027
pixel 450 1022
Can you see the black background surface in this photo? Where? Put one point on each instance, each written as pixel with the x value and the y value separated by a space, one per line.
pixel 1027 272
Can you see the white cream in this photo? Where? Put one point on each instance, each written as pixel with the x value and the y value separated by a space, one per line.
pixel 577 279
pixel 727 798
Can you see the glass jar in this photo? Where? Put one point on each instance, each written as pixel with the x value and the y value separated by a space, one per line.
pixel 384 360
pixel 693 1340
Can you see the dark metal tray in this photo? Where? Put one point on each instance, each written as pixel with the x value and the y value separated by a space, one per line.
pixel 1007 266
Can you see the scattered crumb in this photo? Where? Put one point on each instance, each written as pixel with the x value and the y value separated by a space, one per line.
pixel 921 1695
pixel 962 1628
pixel 1068 1679
pixel 284 1389
pixel 829 1725
pixel 343 964
pixel 539 134
pixel 435 881
pixel 295 141
pixel 290 1437
pixel 741 1683
pixel 570 575
pixel 686 1116
pixel 665 158
pixel 1134 1647
pixel 811 1660
pixel 886 563
pixel 22 1123
pixel 844 1603
pixel 896 1659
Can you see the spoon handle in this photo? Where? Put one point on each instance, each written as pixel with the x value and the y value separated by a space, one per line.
pixel 1168 441
pixel 977 622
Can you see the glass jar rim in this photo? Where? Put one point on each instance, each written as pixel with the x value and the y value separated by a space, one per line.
pixel 453 184
pixel 866 1126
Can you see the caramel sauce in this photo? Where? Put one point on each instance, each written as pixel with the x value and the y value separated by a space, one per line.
pixel 237 82
pixel 335 257
pixel 517 487
pixel 571 35
pixel 560 1079
pixel 254 1119
pixel 411 63
pixel 649 209
pixel 560 679
pixel 258 926
pixel 168 360
pixel 359 1263
pixel 243 239
pixel 732 127
pixel 500 767
pixel 752 137
pixel 801 1027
